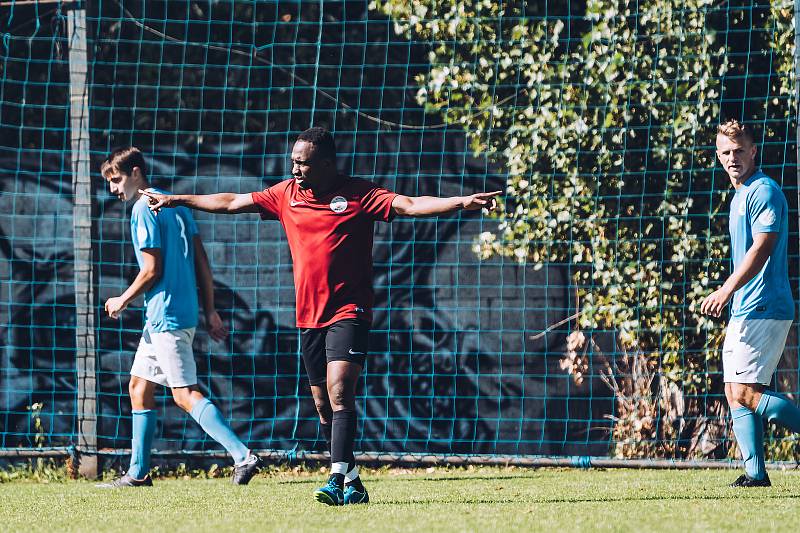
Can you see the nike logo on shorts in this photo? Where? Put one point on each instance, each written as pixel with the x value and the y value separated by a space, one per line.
pixel 351 352
pixel 295 204
pixel 742 372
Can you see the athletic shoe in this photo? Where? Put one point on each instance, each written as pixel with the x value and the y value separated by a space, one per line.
pixel 126 481
pixel 330 494
pixel 352 496
pixel 744 481
pixel 244 471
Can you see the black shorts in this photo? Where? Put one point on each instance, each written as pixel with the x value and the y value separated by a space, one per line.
pixel 344 340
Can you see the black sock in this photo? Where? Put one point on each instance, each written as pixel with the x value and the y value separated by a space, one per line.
pixel 338 479
pixel 356 484
pixel 351 464
pixel 326 432
pixel 343 432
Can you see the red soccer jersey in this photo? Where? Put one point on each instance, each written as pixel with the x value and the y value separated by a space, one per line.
pixel 330 238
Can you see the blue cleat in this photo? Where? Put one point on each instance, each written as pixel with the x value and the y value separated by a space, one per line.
pixel 330 494
pixel 352 496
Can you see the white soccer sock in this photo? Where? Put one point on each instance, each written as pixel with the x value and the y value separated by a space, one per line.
pixel 249 459
pixel 339 468
pixel 351 475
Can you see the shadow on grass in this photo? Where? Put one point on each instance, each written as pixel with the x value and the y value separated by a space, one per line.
pixel 375 481
pixel 733 495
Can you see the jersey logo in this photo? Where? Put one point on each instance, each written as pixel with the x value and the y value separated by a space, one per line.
pixel 742 209
pixel 767 217
pixel 338 204
pixel 295 204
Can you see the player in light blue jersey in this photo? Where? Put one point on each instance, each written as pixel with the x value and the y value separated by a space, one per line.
pixel 172 264
pixel 762 307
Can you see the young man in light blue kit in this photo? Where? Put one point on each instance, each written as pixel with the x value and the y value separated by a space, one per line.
pixel 763 308
pixel 171 261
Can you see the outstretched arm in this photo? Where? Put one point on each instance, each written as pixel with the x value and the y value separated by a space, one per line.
pixel 148 274
pixel 754 260
pixel 223 202
pixel 205 281
pixel 423 206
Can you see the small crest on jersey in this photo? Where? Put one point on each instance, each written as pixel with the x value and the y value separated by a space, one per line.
pixel 767 217
pixel 742 208
pixel 338 204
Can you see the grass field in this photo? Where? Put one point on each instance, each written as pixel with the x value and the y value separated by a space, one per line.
pixel 479 499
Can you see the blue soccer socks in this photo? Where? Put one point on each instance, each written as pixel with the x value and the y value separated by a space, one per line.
pixel 144 426
pixel 749 433
pixel 210 419
pixel 775 407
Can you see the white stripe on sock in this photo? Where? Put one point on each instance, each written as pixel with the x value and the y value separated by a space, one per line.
pixel 339 468
pixel 249 459
pixel 351 475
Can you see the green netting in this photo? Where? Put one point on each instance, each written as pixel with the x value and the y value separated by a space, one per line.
pixel 566 325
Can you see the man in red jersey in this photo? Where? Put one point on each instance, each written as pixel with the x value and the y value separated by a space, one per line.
pixel 328 219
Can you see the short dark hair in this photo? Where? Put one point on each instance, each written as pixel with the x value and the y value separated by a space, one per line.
pixel 322 140
pixel 124 160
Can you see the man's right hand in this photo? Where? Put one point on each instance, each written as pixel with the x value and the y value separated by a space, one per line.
pixel 157 201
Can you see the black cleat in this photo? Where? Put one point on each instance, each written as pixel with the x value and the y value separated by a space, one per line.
pixel 744 481
pixel 244 472
pixel 126 481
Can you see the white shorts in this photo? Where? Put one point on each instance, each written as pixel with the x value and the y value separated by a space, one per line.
pixel 753 349
pixel 166 358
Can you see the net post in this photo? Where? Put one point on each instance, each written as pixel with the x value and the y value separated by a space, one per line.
pixel 82 244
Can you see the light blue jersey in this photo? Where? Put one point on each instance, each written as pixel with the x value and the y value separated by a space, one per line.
pixel 172 301
pixel 759 206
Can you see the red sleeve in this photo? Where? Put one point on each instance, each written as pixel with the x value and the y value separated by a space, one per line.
pixel 377 202
pixel 270 201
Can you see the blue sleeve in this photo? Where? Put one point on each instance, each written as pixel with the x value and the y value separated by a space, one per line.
pixel 144 226
pixel 766 209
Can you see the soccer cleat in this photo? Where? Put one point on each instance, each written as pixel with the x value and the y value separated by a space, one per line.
pixel 330 494
pixel 352 496
pixel 126 481
pixel 244 472
pixel 744 481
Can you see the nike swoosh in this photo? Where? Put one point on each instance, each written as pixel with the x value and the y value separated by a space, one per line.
pixel 742 372
pixel 295 204
pixel 351 352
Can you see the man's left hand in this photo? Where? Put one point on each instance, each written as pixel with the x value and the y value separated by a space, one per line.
pixel 216 328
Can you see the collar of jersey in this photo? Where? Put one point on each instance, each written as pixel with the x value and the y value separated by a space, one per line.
pixel 756 175
pixel 307 195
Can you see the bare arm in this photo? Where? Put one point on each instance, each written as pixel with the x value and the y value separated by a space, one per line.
pixel 754 260
pixel 223 202
pixel 422 206
pixel 205 281
pixel 149 273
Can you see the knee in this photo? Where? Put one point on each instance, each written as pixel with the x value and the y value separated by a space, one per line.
pixel 340 397
pixel 324 410
pixel 137 389
pixel 742 394
pixel 182 399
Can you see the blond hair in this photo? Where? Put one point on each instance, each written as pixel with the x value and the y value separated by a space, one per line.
pixel 735 130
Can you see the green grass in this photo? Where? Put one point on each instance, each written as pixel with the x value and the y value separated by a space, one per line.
pixel 479 499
